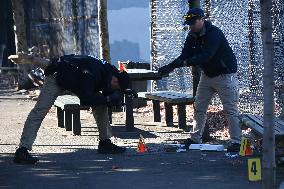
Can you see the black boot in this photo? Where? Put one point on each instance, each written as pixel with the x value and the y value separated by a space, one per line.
pixel 188 142
pixel 234 147
pixel 22 156
pixel 106 147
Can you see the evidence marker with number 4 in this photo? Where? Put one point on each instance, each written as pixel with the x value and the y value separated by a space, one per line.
pixel 254 169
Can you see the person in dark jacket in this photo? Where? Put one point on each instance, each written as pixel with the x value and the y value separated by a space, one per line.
pixel 96 83
pixel 207 47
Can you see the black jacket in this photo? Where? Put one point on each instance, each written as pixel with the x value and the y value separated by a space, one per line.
pixel 210 50
pixel 85 76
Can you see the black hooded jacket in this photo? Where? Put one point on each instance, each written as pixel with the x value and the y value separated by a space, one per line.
pixel 210 50
pixel 85 76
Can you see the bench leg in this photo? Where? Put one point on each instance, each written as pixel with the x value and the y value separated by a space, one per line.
pixel 129 122
pixel 156 110
pixel 110 114
pixel 182 116
pixel 76 122
pixel 169 115
pixel 68 120
pixel 60 117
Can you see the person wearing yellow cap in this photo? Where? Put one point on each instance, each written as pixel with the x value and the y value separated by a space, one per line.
pixel 207 47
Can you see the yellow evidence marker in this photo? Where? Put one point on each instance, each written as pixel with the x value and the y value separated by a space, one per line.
pixel 243 146
pixel 254 169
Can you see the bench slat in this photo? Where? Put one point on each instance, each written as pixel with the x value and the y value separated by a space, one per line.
pixel 280 124
pixel 68 113
pixel 277 129
pixel 69 99
pixel 69 102
pixel 169 97
pixel 256 127
pixel 258 124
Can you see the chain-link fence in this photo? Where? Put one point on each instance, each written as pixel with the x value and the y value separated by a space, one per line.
pixel 240 22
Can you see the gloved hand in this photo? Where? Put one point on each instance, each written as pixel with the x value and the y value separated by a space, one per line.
pixel 177 63
pixel 165 70
pixel 115 99
pixel 131 92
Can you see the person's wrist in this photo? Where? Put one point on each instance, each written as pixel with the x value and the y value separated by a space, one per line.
pixel 172 64
pixel 187 63
pixel 177 63
pixel 108 99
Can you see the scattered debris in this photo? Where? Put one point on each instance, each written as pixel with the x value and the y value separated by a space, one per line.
pixel 33 94
pixel 7 80
pixel 175 148
pixel 231 155
pixel 114 167
pixel 203 156
pixel 216 124
pixel 207 147
pixel 236 161
pixel 189 162
pixel 170 148
pixel 181 150
pixel 23 91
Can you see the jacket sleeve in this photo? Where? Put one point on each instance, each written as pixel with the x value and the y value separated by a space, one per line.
pixel 88 96
pixel 179 61
pixel 211 45
pixel 186 48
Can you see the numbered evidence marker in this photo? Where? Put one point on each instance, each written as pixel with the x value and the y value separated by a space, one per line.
pixel 254 169
pixel 243 146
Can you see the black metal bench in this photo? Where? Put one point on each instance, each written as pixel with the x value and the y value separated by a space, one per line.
pixel 255 122
pixel 68 113
pixel 170 98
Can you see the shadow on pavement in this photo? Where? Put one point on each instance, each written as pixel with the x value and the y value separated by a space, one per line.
pixel 85 168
